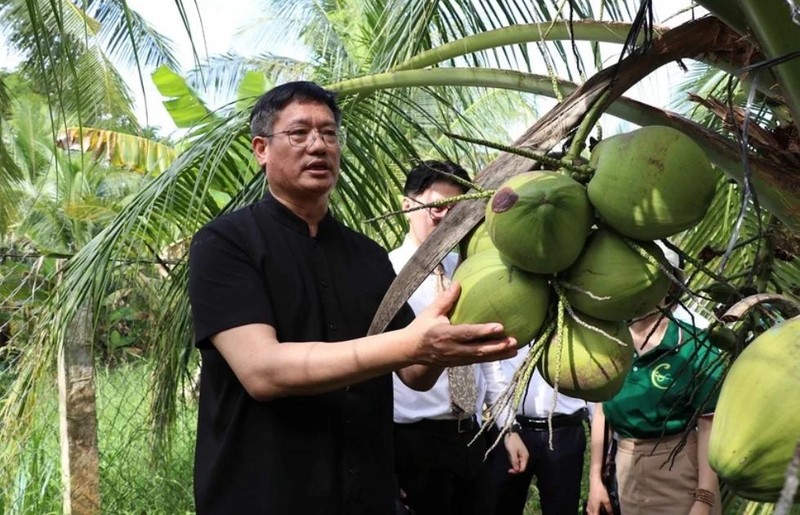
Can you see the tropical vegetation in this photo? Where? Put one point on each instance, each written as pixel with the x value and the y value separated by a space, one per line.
pixel 96 210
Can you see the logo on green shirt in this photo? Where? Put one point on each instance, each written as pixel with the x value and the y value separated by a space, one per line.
pixel 660 378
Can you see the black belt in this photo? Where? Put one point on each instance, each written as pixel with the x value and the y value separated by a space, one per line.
pixel 447 424
pixel 540 424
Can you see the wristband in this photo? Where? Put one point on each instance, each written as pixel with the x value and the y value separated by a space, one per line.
pixel 705 496
pixel 514 428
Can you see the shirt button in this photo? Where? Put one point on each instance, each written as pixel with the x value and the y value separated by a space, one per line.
pixel 324 284
pixel 332 327
pixel 351 471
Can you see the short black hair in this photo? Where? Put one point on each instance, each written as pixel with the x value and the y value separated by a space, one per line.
pixel 426 173
pixel 262 117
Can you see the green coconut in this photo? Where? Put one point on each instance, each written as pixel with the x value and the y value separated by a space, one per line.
pixel 757 419
pixel 476 241
pixel 651 183
pixel 724 338
pixel 592 366
pixel 611 281
pixel 492 291
pixel 539 221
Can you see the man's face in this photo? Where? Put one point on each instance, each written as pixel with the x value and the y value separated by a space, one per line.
pixel 422 222
pixel 300 172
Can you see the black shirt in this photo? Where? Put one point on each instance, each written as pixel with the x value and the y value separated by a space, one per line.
pixel 314 454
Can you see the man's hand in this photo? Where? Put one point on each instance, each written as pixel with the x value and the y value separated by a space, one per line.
pixel 440 343
pixel 598 503
pixel 434 343
pixel 517 452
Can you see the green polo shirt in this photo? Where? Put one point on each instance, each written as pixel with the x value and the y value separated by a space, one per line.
pixel 667 385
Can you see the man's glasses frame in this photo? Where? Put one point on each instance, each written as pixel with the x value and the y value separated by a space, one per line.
pixel 302 136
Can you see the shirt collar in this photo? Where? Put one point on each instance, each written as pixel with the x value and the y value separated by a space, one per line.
pixel 673 338
pixel 289 219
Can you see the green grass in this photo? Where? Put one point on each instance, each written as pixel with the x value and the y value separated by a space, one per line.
pixel 131 480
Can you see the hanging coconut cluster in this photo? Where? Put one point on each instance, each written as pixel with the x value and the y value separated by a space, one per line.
pixel 585 254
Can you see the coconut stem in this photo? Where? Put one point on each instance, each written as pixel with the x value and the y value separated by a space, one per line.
pixel 558 342
pixel 509 399
pixel 570 286
pixel 579 170
pixel 588 122
pixel 480 194
pixel 574 316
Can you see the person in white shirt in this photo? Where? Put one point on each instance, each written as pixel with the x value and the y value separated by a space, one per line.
pixel 558 470
pixel 438 470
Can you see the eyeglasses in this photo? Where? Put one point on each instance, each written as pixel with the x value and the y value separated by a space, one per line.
pixel 302 136
pixel 435 212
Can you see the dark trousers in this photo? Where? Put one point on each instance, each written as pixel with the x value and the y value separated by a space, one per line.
pixel 439 471
pixel 558 472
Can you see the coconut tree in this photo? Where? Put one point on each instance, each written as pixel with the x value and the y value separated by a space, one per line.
pixel 406 75
pixel 61 200
pixel 54 201
pixel 73 52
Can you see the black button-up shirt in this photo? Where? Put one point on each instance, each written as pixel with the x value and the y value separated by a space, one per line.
pixel 313 454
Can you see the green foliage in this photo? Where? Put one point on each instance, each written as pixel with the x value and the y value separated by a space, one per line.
pixel 184 106
pixel 132 480
pixel 83 206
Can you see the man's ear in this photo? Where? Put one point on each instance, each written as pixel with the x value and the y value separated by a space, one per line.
pixel 260 149
pixel 405 203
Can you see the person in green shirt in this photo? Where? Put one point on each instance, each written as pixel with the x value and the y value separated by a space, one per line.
pixel 662 419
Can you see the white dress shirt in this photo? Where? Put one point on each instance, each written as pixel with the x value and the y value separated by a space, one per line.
pixel 537 402
pixel 412 405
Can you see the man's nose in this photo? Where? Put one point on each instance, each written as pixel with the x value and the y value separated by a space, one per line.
pixel 316 140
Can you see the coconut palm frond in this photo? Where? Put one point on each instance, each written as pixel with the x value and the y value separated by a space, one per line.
pixel 220 76
pixel 37 24
pixel 10 173
pixel 69 53
pixel 738 250
pixel 183 105
pixel 94 90
pixel 328 30
pixel 119 149
pixel 128 39
pixel 28 155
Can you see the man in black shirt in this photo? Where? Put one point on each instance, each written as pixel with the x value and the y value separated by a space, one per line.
pixel 295 401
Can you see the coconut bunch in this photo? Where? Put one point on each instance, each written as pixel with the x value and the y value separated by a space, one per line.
pixel 590 251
